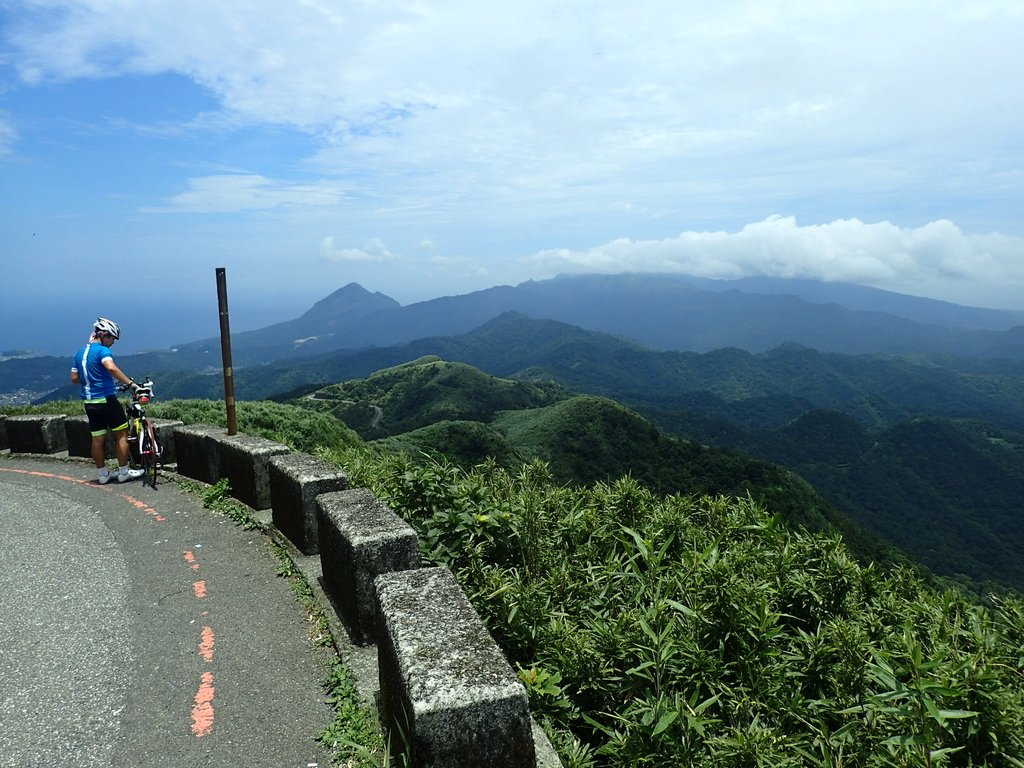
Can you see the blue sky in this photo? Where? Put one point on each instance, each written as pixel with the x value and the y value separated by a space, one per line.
pixel 432 148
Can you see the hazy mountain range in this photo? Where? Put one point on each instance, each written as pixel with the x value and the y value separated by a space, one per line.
pixel 906 414
pixel 662 311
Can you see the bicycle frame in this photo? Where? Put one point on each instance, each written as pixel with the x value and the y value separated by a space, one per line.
pixel 143 447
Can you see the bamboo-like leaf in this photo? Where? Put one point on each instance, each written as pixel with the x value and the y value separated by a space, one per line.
pixel 640 543
pixel 640 667
pixel 906 741
pixel 666 720
pixel 957 714
pixel 677 606
pixel 648 631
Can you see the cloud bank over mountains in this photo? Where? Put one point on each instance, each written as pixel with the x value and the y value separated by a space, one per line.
pixel 936 259
pixel 285 139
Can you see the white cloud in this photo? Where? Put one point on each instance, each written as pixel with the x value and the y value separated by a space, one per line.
pixel 651 76
pixel 880 254
pixel 373 250
pixel 231 193
pixel 603 102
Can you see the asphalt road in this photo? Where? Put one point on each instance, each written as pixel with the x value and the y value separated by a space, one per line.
pixel 139 629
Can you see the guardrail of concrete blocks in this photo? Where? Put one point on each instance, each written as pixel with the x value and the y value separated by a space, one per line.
pixel 208 453
pixel 198 451
pixel 79 438
pixel 36 434
pixel 245 461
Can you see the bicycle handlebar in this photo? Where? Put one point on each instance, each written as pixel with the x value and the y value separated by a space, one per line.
pixel 142 393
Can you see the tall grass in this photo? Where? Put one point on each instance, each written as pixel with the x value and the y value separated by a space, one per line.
pixel 698 631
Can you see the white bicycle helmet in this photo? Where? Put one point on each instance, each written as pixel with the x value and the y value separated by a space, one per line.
pixel 103 325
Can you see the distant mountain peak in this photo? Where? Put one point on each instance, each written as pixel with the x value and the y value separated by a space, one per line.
pixel 351 300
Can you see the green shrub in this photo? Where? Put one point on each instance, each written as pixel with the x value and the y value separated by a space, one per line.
pixel 691 630
pixel 298 428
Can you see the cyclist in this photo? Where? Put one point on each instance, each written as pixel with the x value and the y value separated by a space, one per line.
pixel 95 370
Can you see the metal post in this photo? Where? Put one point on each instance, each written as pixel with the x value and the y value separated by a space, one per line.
pixel 225 350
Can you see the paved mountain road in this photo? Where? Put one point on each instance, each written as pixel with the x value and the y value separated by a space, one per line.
pixel 139 629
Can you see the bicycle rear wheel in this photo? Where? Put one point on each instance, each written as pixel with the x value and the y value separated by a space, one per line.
pixel 148 454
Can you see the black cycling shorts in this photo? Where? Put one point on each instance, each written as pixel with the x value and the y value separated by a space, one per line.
pixel 104 415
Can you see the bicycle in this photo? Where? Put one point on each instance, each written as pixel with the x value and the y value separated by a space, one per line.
pixel 144 449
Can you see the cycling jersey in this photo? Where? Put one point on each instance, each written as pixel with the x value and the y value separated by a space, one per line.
pixel 97 382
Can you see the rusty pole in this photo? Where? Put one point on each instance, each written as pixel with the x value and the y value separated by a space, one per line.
pixel 225 350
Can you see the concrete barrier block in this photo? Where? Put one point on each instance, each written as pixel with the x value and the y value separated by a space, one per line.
pixel 3 431
pixel 244 461
pixel 448 694
pixel 165 431
pixel 361 538
pixel 79 437
pixel 197 450
pixel 296 479
pixel 36 434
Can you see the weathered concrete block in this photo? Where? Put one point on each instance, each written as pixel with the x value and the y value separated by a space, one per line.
pixel 76 429
pixel 447 692
pixel 165 431
pixel 36 434
pixel 296 479
pixel 361 538
pixel 244 461
pixel 197 450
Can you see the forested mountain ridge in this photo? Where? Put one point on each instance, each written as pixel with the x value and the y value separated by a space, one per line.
pixel 453 410
pixel 425 391
pixel 948 492
pixel 674 312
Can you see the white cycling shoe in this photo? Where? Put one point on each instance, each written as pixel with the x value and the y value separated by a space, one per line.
pixel 129 474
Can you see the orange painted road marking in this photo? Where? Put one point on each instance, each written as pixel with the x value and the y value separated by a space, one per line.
pixel 190 558
pixel 144 507
pixel 206 644
pixel 34 473
pixel 202 710
pixel 200 589
pixel 92 484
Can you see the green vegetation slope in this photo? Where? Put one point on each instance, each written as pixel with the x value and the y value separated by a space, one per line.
pixel 582 439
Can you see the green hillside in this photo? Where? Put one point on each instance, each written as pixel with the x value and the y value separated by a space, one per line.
pixel 423 392
pixel 584 440
pixel 464 443
pixel 949 493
